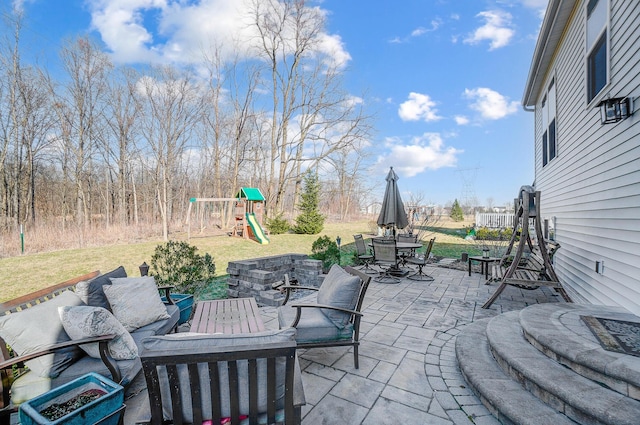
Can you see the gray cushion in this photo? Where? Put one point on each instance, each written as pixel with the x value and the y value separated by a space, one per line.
pixel 91 292
pixel 85 321
pixel 161 327
pixel 30 330
pixel 339 289
pixel 135 301
pixel 31 385
pixel 190 343
pixel 314 326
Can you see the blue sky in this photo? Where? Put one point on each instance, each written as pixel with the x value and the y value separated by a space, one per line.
pixel 444 78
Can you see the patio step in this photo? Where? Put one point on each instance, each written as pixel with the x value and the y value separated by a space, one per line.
pixel 524 385
pixel 505 398
pixel 557 330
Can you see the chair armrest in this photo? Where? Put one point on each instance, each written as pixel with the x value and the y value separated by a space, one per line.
pixel 103 348
pixel 167 293
pixel 299 308
pixel 288 289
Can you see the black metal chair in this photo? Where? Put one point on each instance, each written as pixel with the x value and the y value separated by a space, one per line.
pixel 199 377
pixel 385 255
pixel 421 262
pixel 404 254
pixel 364 256
pixel 328 319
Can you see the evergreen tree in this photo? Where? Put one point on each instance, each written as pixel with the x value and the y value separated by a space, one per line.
pixel 456 212
pixel 310 221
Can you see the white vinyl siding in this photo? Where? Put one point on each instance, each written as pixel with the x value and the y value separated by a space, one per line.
pixel 593 188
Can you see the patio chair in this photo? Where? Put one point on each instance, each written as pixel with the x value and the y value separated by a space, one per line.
pixel 404 254
pixel 385 256
pixel 330 317
pixel 363 255
pixel 421 262
pixel 220 378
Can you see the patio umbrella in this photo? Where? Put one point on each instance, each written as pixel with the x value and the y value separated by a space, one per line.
pixel 392 212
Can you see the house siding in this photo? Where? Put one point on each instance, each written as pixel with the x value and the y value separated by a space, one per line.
pixel 592 187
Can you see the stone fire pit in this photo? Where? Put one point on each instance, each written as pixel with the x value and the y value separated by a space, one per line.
pixel 254 277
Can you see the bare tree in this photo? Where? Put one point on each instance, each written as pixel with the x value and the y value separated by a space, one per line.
pixel 306 95
pixel 83 97
pixel 172 106
pixel 122 109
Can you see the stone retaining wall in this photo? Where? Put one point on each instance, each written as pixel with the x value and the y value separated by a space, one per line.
pixel 254 277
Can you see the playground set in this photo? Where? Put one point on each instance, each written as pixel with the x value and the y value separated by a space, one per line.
pixel 248 206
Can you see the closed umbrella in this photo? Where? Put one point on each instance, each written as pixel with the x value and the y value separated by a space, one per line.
pixel 392 212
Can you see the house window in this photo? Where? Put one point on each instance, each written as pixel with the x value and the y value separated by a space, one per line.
pixel 597 40
pixel 549 143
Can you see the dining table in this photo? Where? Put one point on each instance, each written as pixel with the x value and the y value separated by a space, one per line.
pixel 402 246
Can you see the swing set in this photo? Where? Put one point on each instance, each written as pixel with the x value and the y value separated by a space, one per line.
pixel 246 210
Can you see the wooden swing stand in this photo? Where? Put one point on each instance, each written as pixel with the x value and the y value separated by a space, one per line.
pixel 533 270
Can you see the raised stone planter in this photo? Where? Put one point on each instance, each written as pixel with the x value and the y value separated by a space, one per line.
pixel 254 277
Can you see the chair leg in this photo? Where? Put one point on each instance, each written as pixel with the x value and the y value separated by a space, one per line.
pixel 386 277
pixel 355 357
pixel 366 269
pixel 420 276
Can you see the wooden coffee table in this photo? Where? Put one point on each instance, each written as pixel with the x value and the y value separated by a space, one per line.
pixel 230 316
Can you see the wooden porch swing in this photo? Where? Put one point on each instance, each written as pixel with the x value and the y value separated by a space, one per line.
pixel 533 270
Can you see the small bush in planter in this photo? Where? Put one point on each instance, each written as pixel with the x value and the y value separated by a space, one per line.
pixel 178 264
pixel 325 250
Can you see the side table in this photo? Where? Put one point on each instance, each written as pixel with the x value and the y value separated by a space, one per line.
pixel 484 264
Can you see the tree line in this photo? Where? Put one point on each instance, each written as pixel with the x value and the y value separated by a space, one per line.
pixel 98 143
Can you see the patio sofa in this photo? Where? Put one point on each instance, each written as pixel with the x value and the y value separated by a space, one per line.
pixel 44 332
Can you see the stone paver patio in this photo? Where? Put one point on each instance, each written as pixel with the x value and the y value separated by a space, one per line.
pixel 408 370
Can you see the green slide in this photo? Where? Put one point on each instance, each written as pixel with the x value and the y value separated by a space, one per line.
pixel 256 229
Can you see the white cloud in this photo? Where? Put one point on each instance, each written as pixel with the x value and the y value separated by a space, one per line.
pixel 139 31
pixel 425 152
pixel 490 104
pixel 332 47
pixel 120 24
pixel 461 120
pixel 497 29
pixel 419 107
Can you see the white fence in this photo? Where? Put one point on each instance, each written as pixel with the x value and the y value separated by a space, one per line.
pixel 494 220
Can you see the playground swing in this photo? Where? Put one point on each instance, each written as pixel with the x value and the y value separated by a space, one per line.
pixel 209 213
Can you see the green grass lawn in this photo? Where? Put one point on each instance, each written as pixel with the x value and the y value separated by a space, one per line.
pixel 28 273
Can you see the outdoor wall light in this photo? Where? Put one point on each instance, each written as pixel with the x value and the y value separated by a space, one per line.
pixel 614 109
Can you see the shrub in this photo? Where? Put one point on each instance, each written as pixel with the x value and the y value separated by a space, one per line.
pixel 325 250
pixel 277 225
pixel 456 212
pixel 178 264
pixel 310 221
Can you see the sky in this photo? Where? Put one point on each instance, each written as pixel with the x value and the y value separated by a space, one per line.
pixel 442 78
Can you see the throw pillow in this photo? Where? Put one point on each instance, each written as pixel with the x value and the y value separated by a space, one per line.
pixel 135 301
pixel 91 293
pixel 37 327
pixel 339 289
pixel 193 343
pixel 86 321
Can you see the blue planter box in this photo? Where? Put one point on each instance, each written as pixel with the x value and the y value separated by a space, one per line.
pixel 105 410
pixel 184 303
